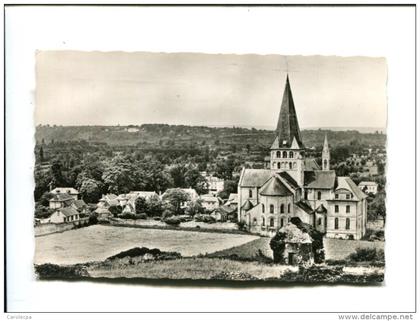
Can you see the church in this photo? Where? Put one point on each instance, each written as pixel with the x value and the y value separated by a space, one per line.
pixel 294 185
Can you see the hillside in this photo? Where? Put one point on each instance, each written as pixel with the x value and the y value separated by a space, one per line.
pixel 160 135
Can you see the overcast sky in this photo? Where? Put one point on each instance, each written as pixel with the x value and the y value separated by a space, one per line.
pixel 110 88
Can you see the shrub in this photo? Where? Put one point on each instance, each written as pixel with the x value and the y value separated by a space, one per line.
pixel 173 220
pixel 241 225
pixel 115 209
pixel 204 218
pixel 46 271
pixel 93 219
pixel 367 255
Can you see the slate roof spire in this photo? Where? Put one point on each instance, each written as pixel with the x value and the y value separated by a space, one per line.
pixel 287 125
pixel 326 148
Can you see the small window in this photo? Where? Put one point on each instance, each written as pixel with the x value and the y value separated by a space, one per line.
pixel 271 208
pixel 284 154
pixel 347 208
pixel 347 196
pixel 347 223
pixel 319 221
pixel 272 222
pixel 288 208
pixel 281 222
pixel 263 221
pixel 306 194
pixel 336 196
pixel 319 195
pixel 250 193
pixel 278 165
pixel 254 221
pixel 263 208
pixel 290 154
pixel 336 209
pixel 282 208
pixel 336 223
pixel 290 165
pixel 278 154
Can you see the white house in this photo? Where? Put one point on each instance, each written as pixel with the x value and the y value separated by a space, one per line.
pixel 65 215
pixel 369 187
pixel 66 190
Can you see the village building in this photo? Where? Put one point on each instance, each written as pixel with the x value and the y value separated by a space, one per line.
pixel 60 200
pixel 296 186
pixel 65 215
pixel 215 184
pixel 108 200
pixel 368 187
pixel 210 202
pixel 80 206
pixel 66 190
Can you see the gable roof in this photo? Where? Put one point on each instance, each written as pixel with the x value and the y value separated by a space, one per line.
pixel 344 182
pixel 79 203
pixel 275 187
pixel 321 209
pixel 254 177
pixel 287 125
pixel 61 197
pixel 310 164
pixel 303 205
pixel 68 211
pixel 319 179
pixel 289 179
pixel 247 205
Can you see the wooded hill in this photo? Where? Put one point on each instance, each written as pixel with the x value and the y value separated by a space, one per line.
pixel 161 135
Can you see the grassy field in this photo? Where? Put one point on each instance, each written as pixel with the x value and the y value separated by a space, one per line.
pixel 192 268
pixel 97 242
pixel 336 249
pixel 248 250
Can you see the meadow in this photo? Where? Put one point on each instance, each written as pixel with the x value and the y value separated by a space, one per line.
pixel 98 242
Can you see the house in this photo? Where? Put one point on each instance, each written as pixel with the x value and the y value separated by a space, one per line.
pixel 296 186
pixel 232 200
pixel 215 184
pixel 368 187
pixel 224 213
pixel 66 190
pixel 210 202
pixel 80 206
pixel 108 200
pixel 65 215
pixel 60 200
pixel 131 197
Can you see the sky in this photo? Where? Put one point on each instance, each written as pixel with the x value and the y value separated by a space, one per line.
pixel 111 88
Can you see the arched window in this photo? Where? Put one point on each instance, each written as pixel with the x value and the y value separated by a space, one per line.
pixel 290 154
pixel 278 154
pixel 281 222
pixel 336 223
pixel 288 208
pixel 285 154
pixel 290 165
pixel 278 165
pixel 272 222
pixel 250 193
pixel 319 195
pixel 347 223
pixel 271 208
pixel 282 208
pixel 262 208
pixel 263 221
pixel 320 221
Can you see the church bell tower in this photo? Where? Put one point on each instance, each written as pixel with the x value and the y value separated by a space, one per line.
pixel 287 151
pixel 326 155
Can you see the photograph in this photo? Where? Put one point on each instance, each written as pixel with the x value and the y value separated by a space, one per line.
pixel 198 166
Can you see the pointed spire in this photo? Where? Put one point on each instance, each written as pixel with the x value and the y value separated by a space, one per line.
pixel 326 147
pixel 287 125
